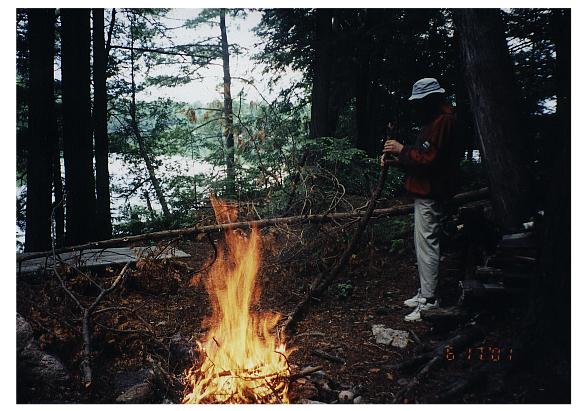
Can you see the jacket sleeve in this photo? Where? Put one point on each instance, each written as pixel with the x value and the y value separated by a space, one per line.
pixel 425 155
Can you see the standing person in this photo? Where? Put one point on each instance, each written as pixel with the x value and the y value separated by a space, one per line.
pixel 432 166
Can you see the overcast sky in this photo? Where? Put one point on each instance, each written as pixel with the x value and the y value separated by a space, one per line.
pixel 240 32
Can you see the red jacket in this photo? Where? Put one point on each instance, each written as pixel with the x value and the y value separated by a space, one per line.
pixel 432 163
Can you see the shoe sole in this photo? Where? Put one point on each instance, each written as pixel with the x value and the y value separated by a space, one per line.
pixel 411 305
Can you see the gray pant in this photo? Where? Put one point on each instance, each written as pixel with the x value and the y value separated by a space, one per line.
pixel 427 216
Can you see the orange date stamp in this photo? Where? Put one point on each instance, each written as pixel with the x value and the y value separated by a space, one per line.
pixel 481 353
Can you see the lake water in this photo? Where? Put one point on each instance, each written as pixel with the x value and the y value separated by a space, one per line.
pixel 120 177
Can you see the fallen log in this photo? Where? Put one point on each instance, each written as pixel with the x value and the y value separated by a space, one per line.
pixel 193 231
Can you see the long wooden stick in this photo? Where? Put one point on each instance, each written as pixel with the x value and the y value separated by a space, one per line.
pixel 321 282
pixel 193 231
pixel 306 372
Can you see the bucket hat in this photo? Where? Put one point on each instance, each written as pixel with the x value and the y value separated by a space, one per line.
pixel 424 87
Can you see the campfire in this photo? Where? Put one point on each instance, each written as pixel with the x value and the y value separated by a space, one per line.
pixel 242 360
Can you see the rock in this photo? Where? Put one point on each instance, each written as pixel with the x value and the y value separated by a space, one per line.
pixel 387 336
pixel 357 390
pixel 138 394
pixel 358 400
pixel 316 376
pixel 124 380
pixel 307 401
pixel 345 397
pixel 24 332
pixel 36 367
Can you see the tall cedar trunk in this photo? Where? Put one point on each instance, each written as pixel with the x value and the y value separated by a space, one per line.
pixel 58 205
pixel 41 129
pixel 103 220
pixel 135 126
pixel 77 135
pixel 321 75
pixel 362 99
pixel 228 109
pixel 547 327
pixel 493 95
pixel 465 123
pixel 367 97
pixel 338 84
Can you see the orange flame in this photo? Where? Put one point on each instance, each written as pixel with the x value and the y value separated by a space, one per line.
pixel 243 361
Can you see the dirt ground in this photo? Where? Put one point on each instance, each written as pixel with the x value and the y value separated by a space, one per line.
pixel 164 302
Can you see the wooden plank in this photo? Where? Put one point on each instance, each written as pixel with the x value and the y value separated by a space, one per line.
pixel 498 274
pixel 519 240
pixel 97 258
pixel 519 263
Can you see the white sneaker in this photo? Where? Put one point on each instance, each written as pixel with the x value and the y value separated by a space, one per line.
pixel 416 300
pixel 416 314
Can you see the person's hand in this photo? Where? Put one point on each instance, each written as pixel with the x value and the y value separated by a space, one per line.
pixel 387 159
pixel 392 147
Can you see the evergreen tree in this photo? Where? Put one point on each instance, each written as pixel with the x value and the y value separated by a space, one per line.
pixel 77 135
pixel 103 219
pixel 493 93
pixel 41 127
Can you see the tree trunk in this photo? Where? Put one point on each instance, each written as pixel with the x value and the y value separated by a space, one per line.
pixel 58 205
pixel 139 137
pixel 41 129
pixel 362 99
pixel 493 94
pixel 369 117
pixel 228 109
pixel 77 135
pixel 321 75
pixel 563 67
pixel 465 123
pixel 103 220
pixel 547 327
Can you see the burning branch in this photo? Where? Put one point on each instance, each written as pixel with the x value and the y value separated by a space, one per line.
pixel 243 362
